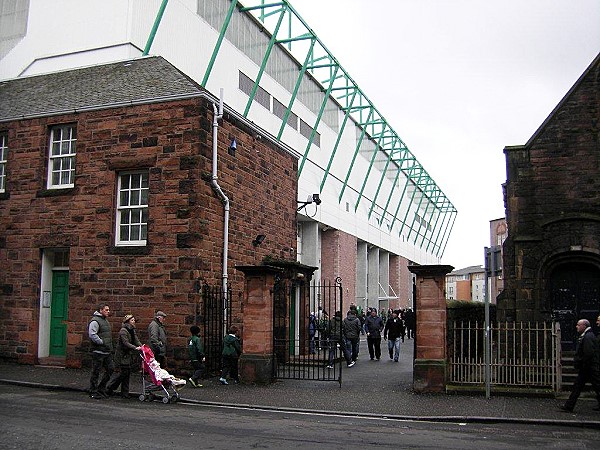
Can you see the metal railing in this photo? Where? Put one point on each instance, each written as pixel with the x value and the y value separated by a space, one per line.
pixel 524 354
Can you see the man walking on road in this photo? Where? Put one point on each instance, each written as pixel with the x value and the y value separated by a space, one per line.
pixel 393 331
pixel 352 333
pixel 373 327
pixel 587 362
pixel 100 334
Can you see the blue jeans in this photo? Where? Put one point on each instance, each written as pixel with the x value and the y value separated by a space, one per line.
pixel 394 348
pixel 352 346
pixel 333 350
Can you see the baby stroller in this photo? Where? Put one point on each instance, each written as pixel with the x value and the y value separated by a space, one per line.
pixel 157 380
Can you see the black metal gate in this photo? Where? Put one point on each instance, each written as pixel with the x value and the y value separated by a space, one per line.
pixel 303 345
pixel 216 318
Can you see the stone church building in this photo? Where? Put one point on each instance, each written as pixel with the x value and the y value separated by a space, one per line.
pixel 552 201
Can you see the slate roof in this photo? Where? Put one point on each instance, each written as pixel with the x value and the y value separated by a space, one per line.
pixel 139 80
pixel 467 270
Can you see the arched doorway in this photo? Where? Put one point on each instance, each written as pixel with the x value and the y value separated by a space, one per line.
pixel 574 293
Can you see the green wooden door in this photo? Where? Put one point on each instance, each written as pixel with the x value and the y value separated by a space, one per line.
pixel 58 313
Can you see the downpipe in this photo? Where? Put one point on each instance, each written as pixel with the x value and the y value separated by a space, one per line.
pixel 218 114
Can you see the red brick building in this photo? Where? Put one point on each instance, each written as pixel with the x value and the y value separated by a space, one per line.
pixel 552 199
pixel 105 196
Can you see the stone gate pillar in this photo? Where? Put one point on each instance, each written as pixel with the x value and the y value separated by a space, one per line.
pixel 256 362
pixel 429 370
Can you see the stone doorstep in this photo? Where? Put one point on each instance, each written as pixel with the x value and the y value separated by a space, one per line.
pixel 56 362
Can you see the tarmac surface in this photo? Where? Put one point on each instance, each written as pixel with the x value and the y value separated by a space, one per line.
pixel 372 388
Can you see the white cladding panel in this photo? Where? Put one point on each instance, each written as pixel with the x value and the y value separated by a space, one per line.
pixel 110 30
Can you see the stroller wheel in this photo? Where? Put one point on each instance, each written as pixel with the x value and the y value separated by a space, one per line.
pixel 165 400
pixel 142 397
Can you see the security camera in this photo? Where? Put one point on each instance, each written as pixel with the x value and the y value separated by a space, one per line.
pixel 316 199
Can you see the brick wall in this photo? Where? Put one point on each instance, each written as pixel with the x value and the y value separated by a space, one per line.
pixel 185 232
pixel 338 259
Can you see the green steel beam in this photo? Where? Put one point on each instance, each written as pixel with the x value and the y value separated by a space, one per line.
pixel 389 199
pixel 337 142
pixel 446 238
pixel 154 29
pixel 215 52
pixel 437 235
pixel 408 180
pixel 319 61
pixel 356 150
pixel 314 129
pixel 383 174
pixel 417 209
pixel 263 65
pixel 411 200
pixel 421 225
pixel 296 88
pixel 362 189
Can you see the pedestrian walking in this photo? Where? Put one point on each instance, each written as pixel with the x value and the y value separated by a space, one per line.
pixel 100 334
pixel 232 349
pixel 393 332
pixel 410 322
pixel 373 328
pixel 197 358
pixel 312 330
pixel 336 338
pixel 158 338
pixel 587 362
pixel 126 354
pixel 352 331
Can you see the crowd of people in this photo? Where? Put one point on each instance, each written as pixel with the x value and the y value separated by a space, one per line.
pixel 116 370
pixel 344 333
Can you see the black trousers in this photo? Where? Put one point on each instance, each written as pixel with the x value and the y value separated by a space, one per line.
pixel 99 362
pixel 586 375
pixel 230 367
pixel 374 344
pixel 198 370
pixel 120 378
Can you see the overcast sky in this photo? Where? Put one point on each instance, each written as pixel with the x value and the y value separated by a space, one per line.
pixel 458 81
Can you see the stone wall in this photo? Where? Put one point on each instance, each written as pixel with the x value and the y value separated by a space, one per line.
pixel 185 232
pixel 552 202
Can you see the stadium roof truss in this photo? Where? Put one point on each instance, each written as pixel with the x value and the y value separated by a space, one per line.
pixel 288 30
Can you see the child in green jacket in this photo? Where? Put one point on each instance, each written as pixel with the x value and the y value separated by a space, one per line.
pixel 197 357
pixel 232 349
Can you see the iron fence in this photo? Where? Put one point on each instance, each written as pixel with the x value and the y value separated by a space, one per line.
pixel 523 354
pixel 299 353
pixel 216 319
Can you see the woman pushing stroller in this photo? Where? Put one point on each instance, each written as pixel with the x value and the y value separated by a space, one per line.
pixel 126 353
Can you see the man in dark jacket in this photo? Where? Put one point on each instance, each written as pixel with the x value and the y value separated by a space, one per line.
pixel 158 338
pixel 100 334
pixel 587 362
pixel 373 328
pixel 336 336
pixel 128 347
pixel 393 332
pixel 352 334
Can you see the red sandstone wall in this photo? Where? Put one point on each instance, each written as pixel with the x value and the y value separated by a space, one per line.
pixel 338 259
pixel 173 140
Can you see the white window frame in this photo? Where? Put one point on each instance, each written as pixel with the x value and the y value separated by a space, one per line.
pixel 61 157
pixel 132 208
pixel 3 160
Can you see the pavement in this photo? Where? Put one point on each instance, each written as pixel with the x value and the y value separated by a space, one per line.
pixel 370 388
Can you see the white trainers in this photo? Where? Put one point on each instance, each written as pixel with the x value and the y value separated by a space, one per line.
pixel 223 381
pixel 351 364
pixel 330 367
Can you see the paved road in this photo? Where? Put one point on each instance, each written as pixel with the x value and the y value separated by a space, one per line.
pixel 32 418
